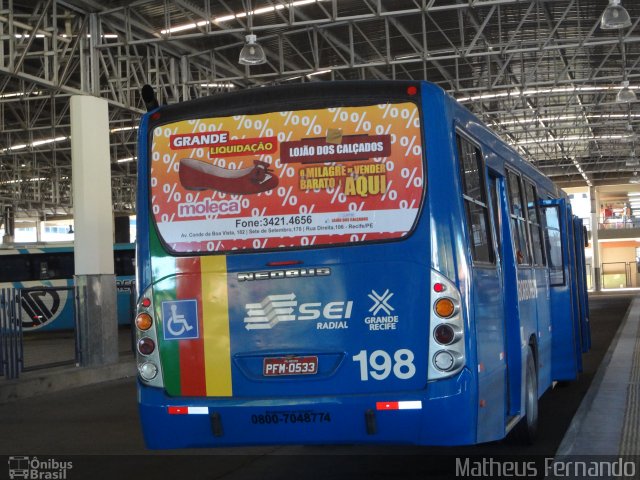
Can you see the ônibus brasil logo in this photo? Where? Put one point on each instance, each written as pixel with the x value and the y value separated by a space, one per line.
pixel 275 309
pixel 38 469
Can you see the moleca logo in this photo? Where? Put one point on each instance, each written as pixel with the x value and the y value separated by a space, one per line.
pixel 285 308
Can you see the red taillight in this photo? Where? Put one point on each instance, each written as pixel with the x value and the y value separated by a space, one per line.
pixel 444 334
pixel 145 302
pixel 146 346
pixel 412 90
pixel 439 287
pixel 155 116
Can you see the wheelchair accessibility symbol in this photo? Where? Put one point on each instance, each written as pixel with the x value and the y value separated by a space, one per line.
pixel 180 319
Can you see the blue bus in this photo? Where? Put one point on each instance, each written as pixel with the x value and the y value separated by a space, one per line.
pixel 44 273
pixel 350 262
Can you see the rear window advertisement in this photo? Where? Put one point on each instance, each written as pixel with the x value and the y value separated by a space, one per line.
pixel 287 179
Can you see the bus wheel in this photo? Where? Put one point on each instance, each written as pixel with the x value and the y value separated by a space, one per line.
pixel 525 431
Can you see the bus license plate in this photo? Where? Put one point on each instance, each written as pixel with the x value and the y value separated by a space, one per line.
pixel 275 366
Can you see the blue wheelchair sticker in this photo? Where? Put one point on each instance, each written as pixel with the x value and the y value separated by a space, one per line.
pixel 180 318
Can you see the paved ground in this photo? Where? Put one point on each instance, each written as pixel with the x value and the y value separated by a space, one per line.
pixel 41 350
pixel 103 419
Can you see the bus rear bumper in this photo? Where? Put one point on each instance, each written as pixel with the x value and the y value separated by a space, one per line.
pixel 442 417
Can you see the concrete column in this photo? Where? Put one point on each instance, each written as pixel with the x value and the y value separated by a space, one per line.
pixel 595 217
pixel 93 220
pixel 39 227
pixel 8 224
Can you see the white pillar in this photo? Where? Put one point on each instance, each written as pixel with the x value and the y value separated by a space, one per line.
pixel 93 251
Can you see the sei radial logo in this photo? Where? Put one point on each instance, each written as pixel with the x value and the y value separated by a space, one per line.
pixel 275 309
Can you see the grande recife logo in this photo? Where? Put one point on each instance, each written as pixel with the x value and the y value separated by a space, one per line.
pixel 291 178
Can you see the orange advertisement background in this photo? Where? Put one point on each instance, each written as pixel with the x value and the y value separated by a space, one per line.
pixel 403 173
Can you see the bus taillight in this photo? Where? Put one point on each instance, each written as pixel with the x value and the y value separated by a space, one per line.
pixel 146 346
pixel 446 342
pixel 144 321
pixel 148 371
pixel 444 307
pixel 444 334
pixel 147 355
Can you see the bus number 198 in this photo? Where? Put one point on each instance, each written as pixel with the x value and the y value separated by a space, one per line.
pixel 381 364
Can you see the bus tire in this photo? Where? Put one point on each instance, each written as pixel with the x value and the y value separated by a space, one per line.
pixel 526 430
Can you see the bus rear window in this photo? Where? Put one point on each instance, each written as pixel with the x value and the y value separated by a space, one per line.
pixel 287 179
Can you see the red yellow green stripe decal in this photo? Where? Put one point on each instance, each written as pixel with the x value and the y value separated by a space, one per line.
pixel 215 316
pixel 201 366
pixel 192 378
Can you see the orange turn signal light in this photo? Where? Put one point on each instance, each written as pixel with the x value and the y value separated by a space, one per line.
pixel 144 321
pixel 444 307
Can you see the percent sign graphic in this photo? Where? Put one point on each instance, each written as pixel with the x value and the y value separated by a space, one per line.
pixel 410 177
pixel 391 193
pixel 312 126
pixel 410 145
pixel 287 196
pixel 337 195
pixel 359 120
pixel 284 169
pixel 170 190
pixel 170 161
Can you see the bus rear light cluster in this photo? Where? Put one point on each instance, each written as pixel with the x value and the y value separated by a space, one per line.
pixel 148 371
pixel 439 287
pixel 444 334
pixel 147 355
pixel 446 342
pixel 146 346
pixel 144 321
pixel 444 307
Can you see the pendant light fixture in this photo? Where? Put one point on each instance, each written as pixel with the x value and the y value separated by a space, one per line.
pixel 625 94
pixel 615 16
pixel 251 53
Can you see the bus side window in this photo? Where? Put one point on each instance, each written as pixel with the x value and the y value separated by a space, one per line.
pixel 475 200
pixel 16 268
pixel 535 229
pixel 124 262
pixel 54 265
pixel 518 221
pixel 554 245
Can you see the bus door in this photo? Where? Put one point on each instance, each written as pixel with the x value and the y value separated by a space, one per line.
pixel 486 292
pixel 499 211
pixel 557 235
pixel 521 289
pixel 573 279
pixel 580 245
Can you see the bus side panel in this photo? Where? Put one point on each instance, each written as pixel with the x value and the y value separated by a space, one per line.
pixel 575 288
pixel 488 315
pixel 563 354
pixel 124 300
pixel 544 329
pixel 143 257
pixel 47 310
pixel 481 287
pixel 582 285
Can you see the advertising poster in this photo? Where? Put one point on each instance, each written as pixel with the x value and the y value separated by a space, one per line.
pixel 287 179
